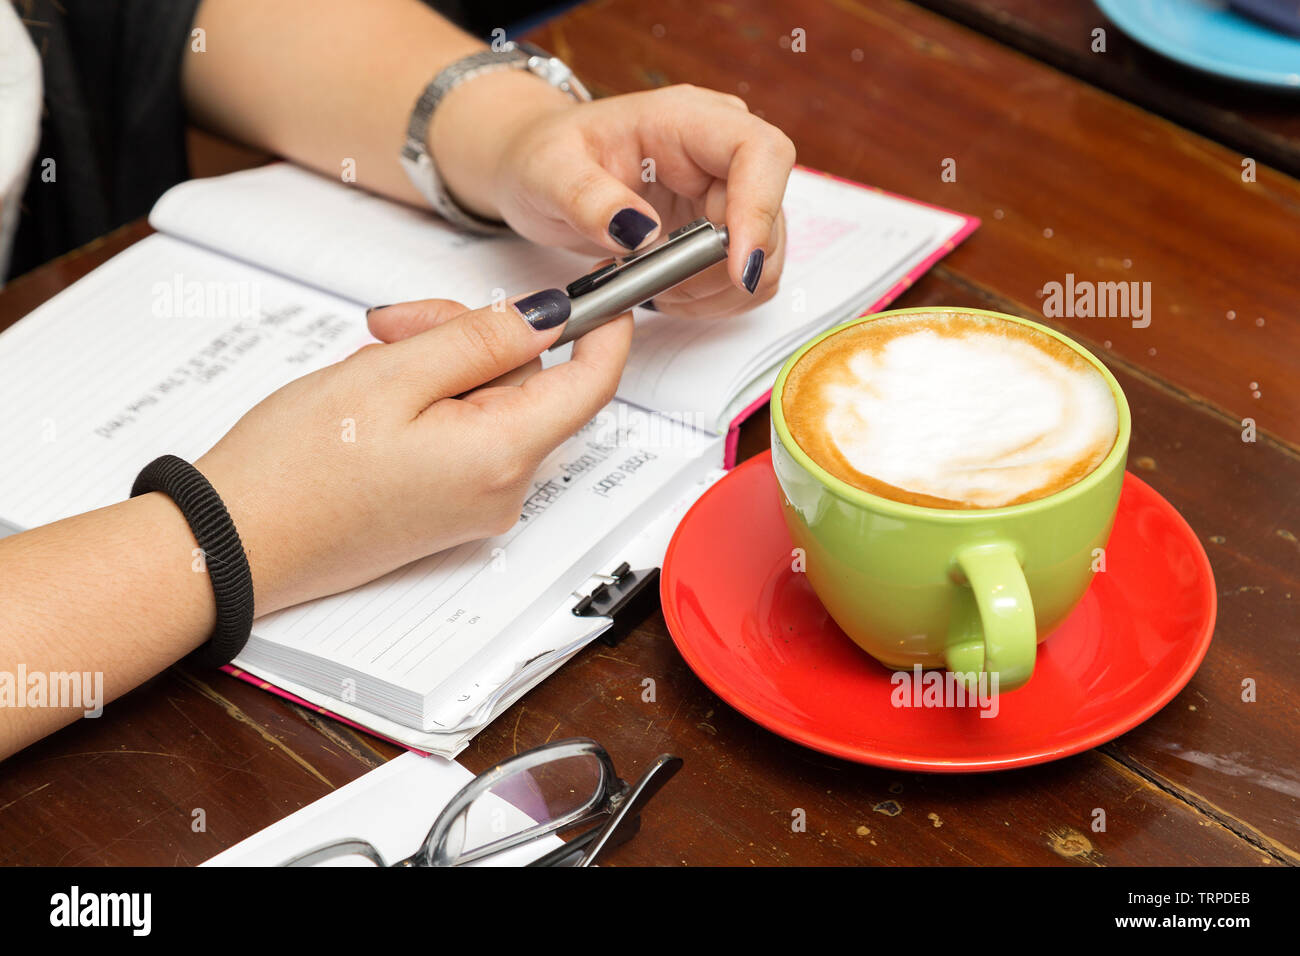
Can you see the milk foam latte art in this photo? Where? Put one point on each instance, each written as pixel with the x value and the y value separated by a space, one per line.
pixel 951 410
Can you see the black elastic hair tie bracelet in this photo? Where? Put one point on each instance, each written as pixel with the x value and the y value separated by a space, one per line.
pixel 223 553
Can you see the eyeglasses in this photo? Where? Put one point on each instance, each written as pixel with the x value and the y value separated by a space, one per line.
pixel 552 789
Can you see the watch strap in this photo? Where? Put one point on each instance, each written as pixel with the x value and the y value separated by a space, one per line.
pixel 416 157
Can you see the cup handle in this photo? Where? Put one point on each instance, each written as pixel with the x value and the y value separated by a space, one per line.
pixel 992 627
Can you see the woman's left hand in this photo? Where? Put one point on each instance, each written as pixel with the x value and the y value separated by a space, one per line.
pixel 616 174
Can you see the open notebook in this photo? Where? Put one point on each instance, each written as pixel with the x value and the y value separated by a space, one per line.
pixel 261 276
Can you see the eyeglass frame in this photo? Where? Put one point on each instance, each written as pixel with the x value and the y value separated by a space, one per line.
pixel 611 796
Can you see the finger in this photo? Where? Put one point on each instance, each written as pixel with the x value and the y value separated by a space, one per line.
pixel 715 279
pixel 392 323
pixel 755 187
pixel 515 377
pixel 712 295
pixel 553 404
pixel 594 203
pixel 721 305
pixel 475 347
pixel 754 159
pixel 710 282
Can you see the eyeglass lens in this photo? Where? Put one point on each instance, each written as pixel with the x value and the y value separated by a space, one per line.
pixel 559 791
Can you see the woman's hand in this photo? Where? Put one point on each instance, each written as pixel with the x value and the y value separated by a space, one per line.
pixel 618 173
pixel 401 450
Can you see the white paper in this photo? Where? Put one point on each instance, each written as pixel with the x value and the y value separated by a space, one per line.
pixel 159 351
pixel 392 807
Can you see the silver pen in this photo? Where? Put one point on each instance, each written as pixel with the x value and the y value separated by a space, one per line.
pixel 611 290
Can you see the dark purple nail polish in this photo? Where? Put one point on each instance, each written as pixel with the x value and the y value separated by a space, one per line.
pixel 374 308
pixel 753 271
pixel 629 227
pixel 545 309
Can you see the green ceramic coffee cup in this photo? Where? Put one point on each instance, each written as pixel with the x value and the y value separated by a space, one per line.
pixel 971 590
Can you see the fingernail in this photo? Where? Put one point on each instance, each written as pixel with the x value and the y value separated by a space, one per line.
pixel 753 270
pixel 649 305
pixel 545 309
pixel 629 227
pixel 374 308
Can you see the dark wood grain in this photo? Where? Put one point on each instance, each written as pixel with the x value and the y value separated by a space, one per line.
pixel 1239 761
pixel 173 773
pixel 1257 121
pixel 736 799
pixel 1209 780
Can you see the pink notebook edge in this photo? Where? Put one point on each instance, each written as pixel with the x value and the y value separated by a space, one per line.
pixel 265 685
pixel 969 225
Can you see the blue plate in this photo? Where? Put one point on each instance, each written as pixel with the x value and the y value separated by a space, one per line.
pixel 1206 35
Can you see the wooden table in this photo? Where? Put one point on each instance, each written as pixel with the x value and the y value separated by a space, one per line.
pixel 1068 179
pixel 1257 121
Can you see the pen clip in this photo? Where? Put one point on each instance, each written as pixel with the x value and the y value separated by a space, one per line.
pixel 584 284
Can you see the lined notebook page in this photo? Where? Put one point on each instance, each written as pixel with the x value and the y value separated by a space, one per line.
pixel 158 351
pixel 352 243
pixel 846 245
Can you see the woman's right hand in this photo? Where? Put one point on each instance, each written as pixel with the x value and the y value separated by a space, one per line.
pixel 401 449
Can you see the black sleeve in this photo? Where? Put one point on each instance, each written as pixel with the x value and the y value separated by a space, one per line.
pixel 114 119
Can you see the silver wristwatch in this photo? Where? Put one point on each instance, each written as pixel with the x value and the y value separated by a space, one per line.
pixel 416 159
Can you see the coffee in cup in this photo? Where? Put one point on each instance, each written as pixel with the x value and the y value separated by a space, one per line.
pixel 950 410
pixel 951 477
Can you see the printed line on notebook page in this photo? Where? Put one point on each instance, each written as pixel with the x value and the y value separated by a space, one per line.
pixel 405 579
pixel 361 606
pixel 515 534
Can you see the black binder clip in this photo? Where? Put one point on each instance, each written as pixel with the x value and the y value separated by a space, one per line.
pixel 626 596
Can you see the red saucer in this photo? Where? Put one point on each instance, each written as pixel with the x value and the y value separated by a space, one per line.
pixel 756 634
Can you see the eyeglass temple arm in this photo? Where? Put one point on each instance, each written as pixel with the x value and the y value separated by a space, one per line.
pixel 651 782
pixel 570 853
